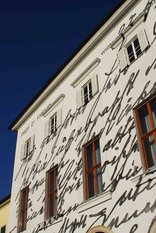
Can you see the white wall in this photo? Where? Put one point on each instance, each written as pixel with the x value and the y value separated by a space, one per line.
pixel 128 201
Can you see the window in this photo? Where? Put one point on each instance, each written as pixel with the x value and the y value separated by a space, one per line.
pixel 92 172
pixel 152 228
pixel 27 147
pixel 53 123
pixel 133 49
pixel 146 123
pixel 100 229
pixel 51 193
pixel 22 220
pixel 3 229
pixel 87 92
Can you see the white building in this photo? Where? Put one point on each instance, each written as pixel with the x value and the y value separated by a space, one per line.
pixel 86 146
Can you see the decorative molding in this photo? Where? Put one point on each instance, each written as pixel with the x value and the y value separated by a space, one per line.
pixel 94 201
pixel 128 30
pixel 51 106
pixel 91 67
pixel 75 61
pixel 101 229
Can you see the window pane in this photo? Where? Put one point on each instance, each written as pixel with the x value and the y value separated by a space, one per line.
pixel 85 95
pixel 24 200
pixel 130 53
pixel 89 156
pixel 3 229
pixel 137 47
pixel 91 184
pixel 53 123
pixel 51 181
pixel 99 179
pixel 150 148
pixel 144 120
pixel 153 109
pixel 97 152
pixel 90 90
pixel 51 207
pixel 51 201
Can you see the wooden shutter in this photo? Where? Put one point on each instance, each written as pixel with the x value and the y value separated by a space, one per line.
pixel 142 39
pixel 59 117
pixel 47 128
pixel 123 59
pixel 22 152
pixel 79 99
pixel 94 82
pixel 32 143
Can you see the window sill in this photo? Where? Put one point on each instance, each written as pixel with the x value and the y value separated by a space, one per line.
pixel 94 201
pixel 49 222
pixel 145 176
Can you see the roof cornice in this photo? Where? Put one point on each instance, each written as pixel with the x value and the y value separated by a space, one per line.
pixel 107 27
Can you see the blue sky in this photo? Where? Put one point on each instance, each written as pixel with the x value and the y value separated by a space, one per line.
pixel 36 38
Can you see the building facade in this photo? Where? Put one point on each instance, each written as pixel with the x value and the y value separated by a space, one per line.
pixel 86 145
pixel 4 214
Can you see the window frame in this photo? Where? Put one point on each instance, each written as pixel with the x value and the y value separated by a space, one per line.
pixel 53 125
pixel 100 229
pixel 51 195
pixel 23 209
pixel 142 136
pixel 92 169
pixel 123 57
pixel 27 147
pixel 80 96
pixel 89 95
pixel 134 49
pixel 3 228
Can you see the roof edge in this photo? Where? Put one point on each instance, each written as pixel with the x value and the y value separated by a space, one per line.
pixel 102 30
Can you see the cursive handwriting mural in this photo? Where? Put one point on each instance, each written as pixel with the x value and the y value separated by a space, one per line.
pixel 114 122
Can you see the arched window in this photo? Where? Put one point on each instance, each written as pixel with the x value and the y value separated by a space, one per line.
pixel 152 228
pixel 100 229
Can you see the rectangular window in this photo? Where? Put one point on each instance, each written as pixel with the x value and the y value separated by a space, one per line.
pixel 3 229
pixel 53 124
pixel 92 172
pixel 51 193
pixel 146 123
pixel 87 92
pixel 23 207
pixel 134 49
pixel 27 147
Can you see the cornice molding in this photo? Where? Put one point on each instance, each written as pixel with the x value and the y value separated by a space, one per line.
pixel 77 59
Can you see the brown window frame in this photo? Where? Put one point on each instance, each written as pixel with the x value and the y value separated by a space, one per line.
pixel 23 208
pixel 92 169
pixel 143 136
pixel 51 196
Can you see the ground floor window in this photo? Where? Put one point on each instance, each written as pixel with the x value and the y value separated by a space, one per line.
pixel 100 229
pixel 145 115
pixel 22 220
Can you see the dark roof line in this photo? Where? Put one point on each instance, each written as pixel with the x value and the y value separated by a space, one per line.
pixel 5 199
pixel 66 62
